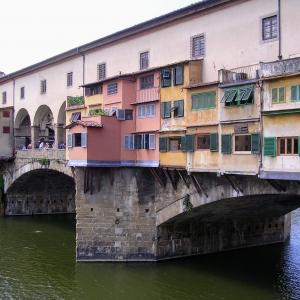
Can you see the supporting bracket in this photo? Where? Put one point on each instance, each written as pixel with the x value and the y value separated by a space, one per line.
pixel 199 187
pixel 277 185
pixel 233 184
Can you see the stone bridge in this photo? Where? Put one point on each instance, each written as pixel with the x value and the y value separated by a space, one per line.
pixel 148 214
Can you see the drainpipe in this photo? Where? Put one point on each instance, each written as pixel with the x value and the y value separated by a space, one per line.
pixel 279 31
pixel 83 70
pixel 13 118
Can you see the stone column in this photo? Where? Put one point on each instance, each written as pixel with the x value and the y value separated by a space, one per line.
pixel 35 131
pixel 60 134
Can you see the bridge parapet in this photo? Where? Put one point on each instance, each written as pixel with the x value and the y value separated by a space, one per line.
pixel 51 154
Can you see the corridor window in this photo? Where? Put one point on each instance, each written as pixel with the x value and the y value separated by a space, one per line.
pixel 4 98
pixel 43 86
pixel 147 82
pixel 198 46
pixel 101 71
pixel 288 145
pixel 174 143
pixel 242 143
pixel 22 92
pixel 144 60
pixel 69 79
pixel 269 28
pixel 203 142
pixel 112 88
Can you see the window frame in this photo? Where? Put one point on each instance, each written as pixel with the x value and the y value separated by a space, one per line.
pixel 179 143
pixel 43 86
pixel 147 85
pixel 273 28
pixel 234 144
pixel 197 141
pixel 69 79
pixel 22 92
pixel 4 97
pixel 103 73
pixel 141 60
pixel 192 47
pixel 261 28
pixel 113 91
pixel 295 139
pixel 277 89
pixel 6 130
pixel 201 94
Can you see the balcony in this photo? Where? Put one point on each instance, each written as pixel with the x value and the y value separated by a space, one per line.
pixel 239 75
pixel 281 67
pixel 75 101
pixel 148 95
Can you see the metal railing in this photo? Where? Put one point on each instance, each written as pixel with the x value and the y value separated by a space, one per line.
pixel 245 73
pixel 146 95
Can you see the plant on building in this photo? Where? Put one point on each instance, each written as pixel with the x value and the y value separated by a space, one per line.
pixel 74 101
pixel 97 112
pixel 188 206
pixel 44 162
pixel 1 195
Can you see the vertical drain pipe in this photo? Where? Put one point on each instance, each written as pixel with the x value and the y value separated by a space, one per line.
pixel 279 31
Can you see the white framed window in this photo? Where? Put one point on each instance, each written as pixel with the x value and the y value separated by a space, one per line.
pixel 198 46
pixel 129 142
pixel 242 143
pixel 146 111
pixel 69 79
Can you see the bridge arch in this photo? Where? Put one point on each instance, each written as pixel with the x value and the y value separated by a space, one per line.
pixel 22 129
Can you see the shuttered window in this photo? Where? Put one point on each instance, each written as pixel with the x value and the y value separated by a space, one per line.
pixel 22 92
pixel 270 146
pixel 179 109
pixel 166 110
pixel 226 144
pixel 205 100
pixel 255 143
pixel 112 88
pixel 69 79
pixel 214 142
pixel 295 93
pixel 163 144
pixel 84 140
pixel 147 82
pixel 101 71
pixel 198 46
pixel 43 86
pixel 166 77
pixel 203 142
pixel 239 96
pixel 189 143
pixel 178 75
pixel 75 116
pixel 4 98
pixel 144 60
pixel 269 28
pixel 278 95
pixel 175 143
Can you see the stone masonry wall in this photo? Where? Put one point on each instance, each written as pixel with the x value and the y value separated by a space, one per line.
pixel 115 215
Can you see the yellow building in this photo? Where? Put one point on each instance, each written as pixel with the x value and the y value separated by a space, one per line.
pixel 174 143
pixel 281 119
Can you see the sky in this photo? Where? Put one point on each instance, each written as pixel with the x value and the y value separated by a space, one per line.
pixel 33 30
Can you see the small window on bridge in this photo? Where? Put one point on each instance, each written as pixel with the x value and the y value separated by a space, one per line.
pixel 242 143
pixel 288 145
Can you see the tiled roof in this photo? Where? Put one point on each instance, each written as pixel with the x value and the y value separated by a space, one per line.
pixel 84 124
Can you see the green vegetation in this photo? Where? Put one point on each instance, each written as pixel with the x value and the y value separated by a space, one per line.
pixel 74 101
pixel 97 112
pixel 44 162
pixel 188 206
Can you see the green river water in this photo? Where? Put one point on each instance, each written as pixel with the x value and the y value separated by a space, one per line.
pixel 37 261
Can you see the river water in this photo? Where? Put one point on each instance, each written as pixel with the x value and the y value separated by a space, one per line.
pixel 37 261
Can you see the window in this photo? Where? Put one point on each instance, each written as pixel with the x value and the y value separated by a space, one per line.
pixel 144 60
pixel 144 141
pixel 129 142
pixel 146 111
pixel 295 93
pixel 174 143
pixel 198 46
pixel 203 142
pixel 22 92
pixel 269 28
pixel 147 82
pixel 75 116
pixel 79 139
pixel 166 77
pixel 128 114
pixel 112 88
pixel 287 145
pixel 6 129
pixel 239 96
pixel 178 109
pixel 70 79
pixel 4 98
pixel 205 100
pixel 93 90
pixel 278 95
pixel 242 143
pixel 43 86
pixel 6 113
pixel 178 75
pixel 101 71
pixel 166 109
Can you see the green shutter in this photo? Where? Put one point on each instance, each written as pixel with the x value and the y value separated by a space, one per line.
pixel 178 75
pixel 275 95
pixel 189 143
pixel 226 144
pixel 183 143
pixel 212 99
pixel 166 110
pixel 163 144
pixel 255 143
pixel 281 94
pixel 270 146
pixel 166 78
pixel 214 142
pixel 294 93
pixel 180 108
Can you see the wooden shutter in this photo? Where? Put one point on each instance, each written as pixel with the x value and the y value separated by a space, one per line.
pixel 166 110
pixel 163 144
pixel 84 140
pixel 214 137
pixel 183 143
pixel 180 108
pixel 255 143
pixel 189 143
pixel 226 144
pixel 294 93
pixel 281 94
pixel 70 140
pixel 166 78
pixel 270 146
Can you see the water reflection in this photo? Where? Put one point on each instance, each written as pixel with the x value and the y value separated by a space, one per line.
pixel 38 254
